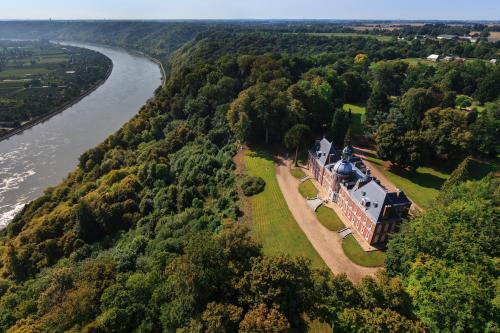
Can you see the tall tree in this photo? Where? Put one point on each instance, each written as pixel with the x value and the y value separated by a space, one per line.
pixel 297 137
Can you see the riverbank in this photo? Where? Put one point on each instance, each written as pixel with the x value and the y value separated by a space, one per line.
pixel 60 109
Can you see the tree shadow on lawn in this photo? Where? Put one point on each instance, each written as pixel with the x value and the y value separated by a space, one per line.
pixel 479 169
pixel 267 153
pixel 422 179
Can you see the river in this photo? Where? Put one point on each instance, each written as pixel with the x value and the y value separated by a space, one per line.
pixel 43 155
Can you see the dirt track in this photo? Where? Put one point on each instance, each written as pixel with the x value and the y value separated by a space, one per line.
pixel 327 243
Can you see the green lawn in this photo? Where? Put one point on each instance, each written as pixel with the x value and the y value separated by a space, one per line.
pixel 298 173
pixel 273 224
pixel 423 185
pixel 359 256
pixel 328 218
pixel 308 190
pixel 358 118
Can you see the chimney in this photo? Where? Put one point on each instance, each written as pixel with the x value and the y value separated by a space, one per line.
pixel 386 212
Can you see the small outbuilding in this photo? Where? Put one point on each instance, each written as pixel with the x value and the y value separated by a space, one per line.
pixel 493 61
pixel 433 57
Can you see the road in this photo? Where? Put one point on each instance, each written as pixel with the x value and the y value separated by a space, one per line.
pixel 327 243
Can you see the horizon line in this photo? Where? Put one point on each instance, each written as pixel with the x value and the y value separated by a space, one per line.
pixel 244 19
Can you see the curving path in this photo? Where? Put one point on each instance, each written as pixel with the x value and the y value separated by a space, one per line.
pixel 327 243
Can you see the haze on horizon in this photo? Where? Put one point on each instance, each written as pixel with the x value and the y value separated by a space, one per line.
pixel 255 9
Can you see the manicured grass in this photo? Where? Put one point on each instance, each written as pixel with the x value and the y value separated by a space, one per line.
pixel 423 184
pixel 273 224
pixel 308 190
pixel 358 118
pixel 359 256
pixel 329 218
pixel 298 173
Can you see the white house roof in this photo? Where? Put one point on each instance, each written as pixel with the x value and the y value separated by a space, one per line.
pixel 433 57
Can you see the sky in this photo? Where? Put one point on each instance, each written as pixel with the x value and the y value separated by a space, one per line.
pixel 251 9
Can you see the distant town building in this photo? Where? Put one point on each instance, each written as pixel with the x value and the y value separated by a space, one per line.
pixel 373 211
pixel 433 57
pixel 447 37
pixel 493 61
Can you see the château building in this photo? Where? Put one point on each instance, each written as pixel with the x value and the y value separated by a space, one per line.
pixel 372 211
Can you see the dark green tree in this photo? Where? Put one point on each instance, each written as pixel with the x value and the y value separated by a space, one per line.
pixel 297 137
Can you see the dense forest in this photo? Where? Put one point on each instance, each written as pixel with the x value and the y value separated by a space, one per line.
pixel 144 235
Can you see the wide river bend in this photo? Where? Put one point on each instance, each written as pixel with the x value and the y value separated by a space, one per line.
pixel 43 155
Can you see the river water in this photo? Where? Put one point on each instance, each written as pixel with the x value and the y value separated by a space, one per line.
pixel 43 155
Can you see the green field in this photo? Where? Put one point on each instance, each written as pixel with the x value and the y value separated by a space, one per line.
pixel 423 184
pixel 359 256
pixel 329 219
pixel 273 224
pixel 358 118
pixel 351 34
pixel 22 72
pixel 308 190
pixel 298 173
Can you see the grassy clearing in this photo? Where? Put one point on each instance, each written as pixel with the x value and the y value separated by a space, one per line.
pixel 308 190
pixel 273 224
pixel 359 256
pixel 351 34
pixel 329 219
pixel 298 173
pixel 358 118
pixel 423 184
pixel 317 327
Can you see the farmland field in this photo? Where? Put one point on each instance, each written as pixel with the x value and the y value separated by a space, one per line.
pixel 34 79
pixel 352 34
pixel 273 224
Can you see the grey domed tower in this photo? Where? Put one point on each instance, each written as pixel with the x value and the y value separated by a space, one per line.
pixel 342 170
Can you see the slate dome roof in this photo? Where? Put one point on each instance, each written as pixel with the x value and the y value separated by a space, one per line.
pixel 343 168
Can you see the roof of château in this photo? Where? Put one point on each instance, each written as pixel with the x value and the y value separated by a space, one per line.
pixel 362 188
pixel 372 196
pixel 323 150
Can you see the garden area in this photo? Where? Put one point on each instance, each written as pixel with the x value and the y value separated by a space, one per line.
pixel 308 190
pixel 359 256
pixel 329 219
